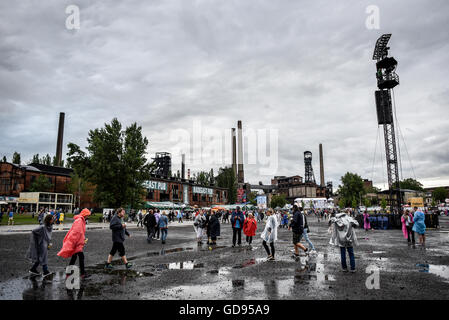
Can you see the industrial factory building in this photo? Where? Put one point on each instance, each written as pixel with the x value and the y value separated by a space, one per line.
pixel 178 190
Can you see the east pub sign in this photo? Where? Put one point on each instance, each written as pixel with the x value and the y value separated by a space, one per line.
pixel 155 185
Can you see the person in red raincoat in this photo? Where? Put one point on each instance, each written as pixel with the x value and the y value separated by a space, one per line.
pixel 74 241
pixel 249 228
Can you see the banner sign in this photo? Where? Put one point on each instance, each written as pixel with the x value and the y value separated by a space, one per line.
pixel 155 185
pixel 261 201
pixel 203 190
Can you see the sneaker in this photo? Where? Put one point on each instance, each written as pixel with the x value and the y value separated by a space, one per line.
pixel 129 265
pixel 34 272
pixel 46 274
pixel 271 258
pixel 352 270
pixel 344 270
pixel 109 266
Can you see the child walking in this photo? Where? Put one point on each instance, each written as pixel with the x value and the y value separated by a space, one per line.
pixel 40 242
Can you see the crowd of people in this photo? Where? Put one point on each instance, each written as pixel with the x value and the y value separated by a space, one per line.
pixel 206 224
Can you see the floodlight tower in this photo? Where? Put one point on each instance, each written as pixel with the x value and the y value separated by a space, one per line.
pixel 387 79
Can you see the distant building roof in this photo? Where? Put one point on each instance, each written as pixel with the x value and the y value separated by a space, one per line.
pixel 49 169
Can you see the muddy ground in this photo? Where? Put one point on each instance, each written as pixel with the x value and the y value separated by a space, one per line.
pixel 181 269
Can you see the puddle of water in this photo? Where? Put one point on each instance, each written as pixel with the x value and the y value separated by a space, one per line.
pixel 439 270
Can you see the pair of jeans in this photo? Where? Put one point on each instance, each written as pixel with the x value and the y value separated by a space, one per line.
pixel 44 267
pixel 264 243
pixel 157 232
pixel 306 237
pixel 351 257
pixel 236 232
pixel 164 234
pixel 80 255
pixel 150 234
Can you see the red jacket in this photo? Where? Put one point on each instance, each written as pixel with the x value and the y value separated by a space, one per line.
pixel 74 239
pixel 250 227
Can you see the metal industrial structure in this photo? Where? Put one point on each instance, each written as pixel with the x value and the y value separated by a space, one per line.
pixel 387 79
pixel 309 176
pixel 321 167
pixel 60 139
pixel 240 176
pixel 163 164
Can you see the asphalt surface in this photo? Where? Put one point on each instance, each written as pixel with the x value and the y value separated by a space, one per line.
pixel 181 269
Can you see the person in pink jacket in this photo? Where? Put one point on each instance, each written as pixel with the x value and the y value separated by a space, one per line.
pixel 75 240
pixel 407 225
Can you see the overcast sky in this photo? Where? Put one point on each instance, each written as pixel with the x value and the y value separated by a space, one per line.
pixel 301 68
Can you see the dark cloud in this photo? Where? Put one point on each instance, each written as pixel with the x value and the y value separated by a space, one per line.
pixel 301 67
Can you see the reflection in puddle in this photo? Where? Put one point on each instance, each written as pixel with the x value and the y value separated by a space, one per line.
pixel 442 271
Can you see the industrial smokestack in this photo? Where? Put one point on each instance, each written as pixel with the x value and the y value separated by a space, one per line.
pixel 321 167
pixel 60 138
pixel 234 152
pixel 188 174
pixel 241 178
pixel 183 166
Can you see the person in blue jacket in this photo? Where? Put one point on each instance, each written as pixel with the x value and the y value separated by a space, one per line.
pixel 237 220
pixel 419 225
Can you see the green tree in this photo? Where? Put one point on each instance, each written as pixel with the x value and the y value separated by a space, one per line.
pixel 252 198
pixel 4 159
pixel 278 201
pixel 35 158
pixel 115 163
pixel 77 186
pixel 383 204
pixel 341 203
pixel 351 188
pixel 46 160
pixel 367 202
pixel 226 179
pixel 354 203
pixel 16 158
pixel 439 194
pixel 203 178
pixel 411 184
pixel 41 184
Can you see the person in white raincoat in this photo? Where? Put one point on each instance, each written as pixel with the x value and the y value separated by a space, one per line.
pixel 270 234
pixel 199 225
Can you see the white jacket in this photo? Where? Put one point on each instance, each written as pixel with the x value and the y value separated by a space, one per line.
pixel 273 224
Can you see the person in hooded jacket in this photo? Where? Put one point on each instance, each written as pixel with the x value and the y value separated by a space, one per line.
pixel 150 222
pixel 40 242
pixel 75 240
pixel 269 234
pixel 344 236
pixel 237 220
pixel 199 225
pixel 249 228
pixel 118 237
pixel 214 228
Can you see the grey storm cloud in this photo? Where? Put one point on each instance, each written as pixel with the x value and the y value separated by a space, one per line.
pixel 302 68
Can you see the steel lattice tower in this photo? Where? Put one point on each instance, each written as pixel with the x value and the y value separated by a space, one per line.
pixel 309 176
pixel 387 79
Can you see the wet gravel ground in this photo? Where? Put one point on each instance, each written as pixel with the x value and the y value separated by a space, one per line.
pixel 181 269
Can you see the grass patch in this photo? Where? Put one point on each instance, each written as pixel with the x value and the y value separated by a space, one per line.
pixel 21 219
